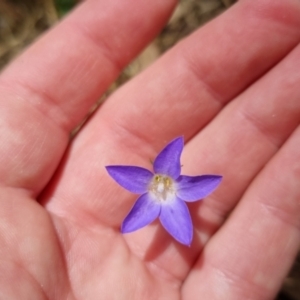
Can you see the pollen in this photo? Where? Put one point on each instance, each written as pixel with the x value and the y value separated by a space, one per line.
pixel 162 187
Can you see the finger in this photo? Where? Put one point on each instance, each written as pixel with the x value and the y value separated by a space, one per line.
pixel 131 132
pixel 240 141
pixel 246 135
pixel 251 254
pixel 50 88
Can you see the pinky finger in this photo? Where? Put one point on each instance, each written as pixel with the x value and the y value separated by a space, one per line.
pixel 252 253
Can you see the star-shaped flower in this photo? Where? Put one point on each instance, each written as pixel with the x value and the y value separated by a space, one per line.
pixel 164 193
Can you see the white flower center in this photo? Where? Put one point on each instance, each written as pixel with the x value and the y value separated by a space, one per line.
pixel 162 187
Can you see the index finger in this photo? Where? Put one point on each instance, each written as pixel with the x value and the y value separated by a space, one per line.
pixel 51 87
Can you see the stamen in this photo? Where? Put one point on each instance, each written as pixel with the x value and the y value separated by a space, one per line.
pixel 162 186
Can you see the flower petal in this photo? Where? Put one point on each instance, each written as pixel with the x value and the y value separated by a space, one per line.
pixel 193 188
pixel 167 161
pixel 133 179
pixel 175 218
pixel 144 211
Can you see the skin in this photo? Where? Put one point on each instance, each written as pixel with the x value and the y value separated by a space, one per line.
pixel 231 89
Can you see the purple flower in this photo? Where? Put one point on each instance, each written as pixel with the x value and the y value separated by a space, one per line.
pixel 164 193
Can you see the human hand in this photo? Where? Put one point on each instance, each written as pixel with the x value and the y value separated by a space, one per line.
pixel 232 90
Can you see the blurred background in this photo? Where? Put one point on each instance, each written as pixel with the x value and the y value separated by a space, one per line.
pixel 22 21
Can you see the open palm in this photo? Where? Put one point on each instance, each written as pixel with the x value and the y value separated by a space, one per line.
pixel 231 89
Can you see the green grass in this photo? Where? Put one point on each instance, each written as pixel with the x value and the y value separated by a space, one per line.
pixel 64 6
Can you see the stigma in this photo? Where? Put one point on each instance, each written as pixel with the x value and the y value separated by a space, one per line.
pixel 162 187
